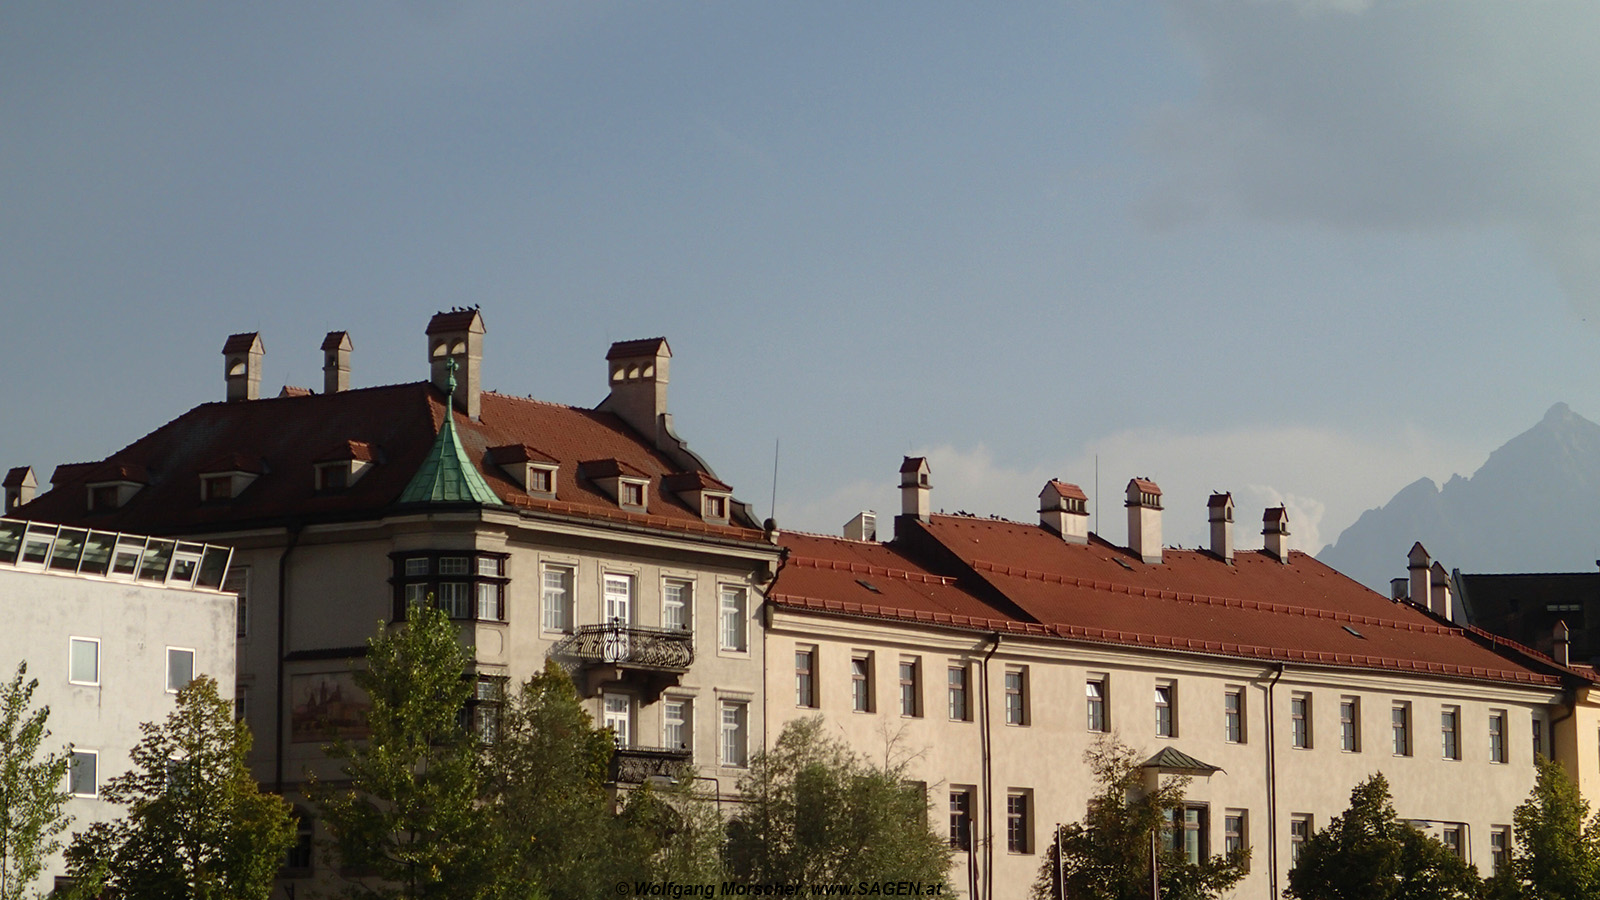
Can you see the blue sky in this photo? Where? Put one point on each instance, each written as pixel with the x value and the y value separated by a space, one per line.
pixel 1303 250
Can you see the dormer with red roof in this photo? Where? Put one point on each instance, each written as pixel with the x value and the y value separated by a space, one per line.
pixel 702 493
pixel 628 485
pixel 343 464
pixel 19 487
pixel 531 469
pixel 113 484
pixel 1144 519
pixel 226 477
pixel 241 366
pixel 1064 509
pixel 458 335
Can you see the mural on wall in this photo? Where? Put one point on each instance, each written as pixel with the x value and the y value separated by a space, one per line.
pixel 327 705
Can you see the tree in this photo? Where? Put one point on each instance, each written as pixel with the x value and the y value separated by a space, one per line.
pixel 680 831
pixel 1107 855
pixel 31 796
pixel 1557 851
pixel 816 813
pixel 197 825
pixel 409 819
pixel 1367 853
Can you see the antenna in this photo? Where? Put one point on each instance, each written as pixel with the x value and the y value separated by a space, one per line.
pixel 772 511
pixel 1097 493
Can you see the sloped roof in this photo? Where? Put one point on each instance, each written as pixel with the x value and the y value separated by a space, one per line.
pixel 446 474
pixel 1173 760
pixel 1007 576
pixel 641 347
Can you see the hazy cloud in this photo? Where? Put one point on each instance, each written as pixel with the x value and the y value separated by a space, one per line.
pixel 1399 115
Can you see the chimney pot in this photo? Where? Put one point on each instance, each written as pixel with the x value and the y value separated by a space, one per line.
pixel 1419 565
pixel 20 486
pixel 914 488
pixel 1440 600
pixel 1275 532
pixel 1399 589
pixel 1144 519
pixel 1219 510
pixel 336 362
pixel 458 335
pixel 1064 509
pixel 637 374
pixel 241 366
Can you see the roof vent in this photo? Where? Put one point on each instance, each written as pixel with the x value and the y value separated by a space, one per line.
pixel 1275 532
pixel 864 527
pixel 1064 509
pixel 1219 511
pixel 241 366
pixel 1144 519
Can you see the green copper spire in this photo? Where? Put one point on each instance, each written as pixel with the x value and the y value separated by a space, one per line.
pixel 446 475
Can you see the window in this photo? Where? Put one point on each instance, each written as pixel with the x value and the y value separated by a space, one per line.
pixel 861 682
pixel 1497 736
pixel 103 496
pixel 557 599
pixel 1233 715
pixel 716 507
pixel 539 480
pixel 735 745
pixel 805 685
pixel 1185 832
pixel 910 687
pixel 333 476
pixel 298 859
pixel 618 591
pixel 959 710
pixel 475 589
pixel 677 724
pixel 1299 832
pixel 82 775
pixel 241 702
pixel 1350 724
pixel 1499 846
pixel 1452 840
pixel 1017 698
pixel 1450 732
pixel 961 818
pixel 675 598
pixel 1096 690
pixel 632 493
pixel 1300 720
pixel 1019 825
pixel 1235 830
pixel 216 487
pixel 1166 710
pixel 735 622
pixel 83 666
pixel 180 668
pixel 239 583
pixel 617 715
pixel 1538 738
pixel 483 708
pixel 1400 718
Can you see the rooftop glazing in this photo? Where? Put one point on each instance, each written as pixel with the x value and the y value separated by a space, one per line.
pixel 68 550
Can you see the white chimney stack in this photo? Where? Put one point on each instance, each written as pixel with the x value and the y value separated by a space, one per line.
pixel 241 366
pixel 336 362
pixel 864 527
pixel 1219 510
pixel 1064 509
pixel 914 488
pixel 1275 532
pixel 1144 519
pixel 1418 567
pixel 1440 600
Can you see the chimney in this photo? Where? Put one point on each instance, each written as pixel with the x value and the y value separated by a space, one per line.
pixel 1275 532
pixel 1417 564
pixel 637 372
pixel 1440 600
pixel 1064 509
pixel 914 488
pixel 864 527
pixel 1144 519
pixel 1561 649
pixel 336 362
pixel 1399 589
pixel 1219 511
pixel 20 486
pixel 241 366
pixel 458 335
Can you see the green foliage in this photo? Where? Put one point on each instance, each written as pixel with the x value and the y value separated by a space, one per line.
pixel 1557 851
pixel 1368 854
pixel 197 826
pixel 1107 855
pixel 679 831
pixel 31 795
pixel 409 817
pixel 816 813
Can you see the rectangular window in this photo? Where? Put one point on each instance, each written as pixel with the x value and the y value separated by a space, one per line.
pixel 959 710
pixel 675 597
pixel 82 774
pixel 861 682
pixel 677 724
pixel 735 742
pixel 1019 823
pixel 1017 696
pixel 1350 724
pixel 735 621
pixel 180 668
pixel 558 599
pixel 910 687
pixel 1299 833
pixel 1452 840
pixel 1499 846
pixel 1400 720
pixel 241 702
pixel 1185 833
pixel 416 566
pixel 1538 738
pixel 961 818
pixel 617 715
pixel 1167 710
pixel 618 590
pixel 1300 720
pixel 1497 736
pixel 489 605
pixel 1450 732
pixel 83 666
pixel 632 494
pixel 1233 715
pixel 455 599
pixel 1095 688
pixel 416 594
pixel 805 684
pixel 1235 830
pixel 454 565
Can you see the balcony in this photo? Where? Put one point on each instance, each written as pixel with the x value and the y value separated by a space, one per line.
pixel 637 765
pixel 651 659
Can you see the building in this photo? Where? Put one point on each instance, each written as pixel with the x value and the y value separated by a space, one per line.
pixel 111 625
pixel 593 536
pixel 992 654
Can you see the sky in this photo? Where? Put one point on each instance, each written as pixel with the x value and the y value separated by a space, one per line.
pixel 1306 251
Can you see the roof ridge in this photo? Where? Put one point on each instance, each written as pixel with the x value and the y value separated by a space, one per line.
pixel 869 569
pixel 539 401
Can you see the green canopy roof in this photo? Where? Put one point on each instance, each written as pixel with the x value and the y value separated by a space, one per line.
pixel 1174 761
pixel 446 475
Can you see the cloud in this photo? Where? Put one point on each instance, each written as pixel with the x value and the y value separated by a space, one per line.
pixel 1421 114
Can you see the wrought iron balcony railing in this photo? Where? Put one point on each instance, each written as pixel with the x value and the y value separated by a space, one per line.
pixel 628 646
pixel 636 765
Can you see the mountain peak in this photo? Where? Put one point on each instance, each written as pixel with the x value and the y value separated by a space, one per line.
pixel 1560 412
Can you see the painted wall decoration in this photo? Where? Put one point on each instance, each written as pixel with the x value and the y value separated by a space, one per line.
pixel 326 705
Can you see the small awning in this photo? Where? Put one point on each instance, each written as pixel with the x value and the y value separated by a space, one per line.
pixel 1172 761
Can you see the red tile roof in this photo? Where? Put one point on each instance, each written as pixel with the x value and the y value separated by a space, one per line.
pixel 118 470
pixel 641 347
pixel 363 451
pixel 1067 489
pixel 291 434
pixel 454 320
pixel 1145 485
pixel 290 390
pixel 690 481
pixel 515 453
pixel 234 461
pixel 239 343
pixel 1007 576
pixel 336 340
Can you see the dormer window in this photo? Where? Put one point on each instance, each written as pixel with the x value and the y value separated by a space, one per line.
pixel 632 494
pixel 103 497
pixel 716 507
pixel 216 487
pixel 627 484
pixel 344 464
pixel 541 481
pixel 531 469
pixel 699 491
pixel 333 476
pixel 226 478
